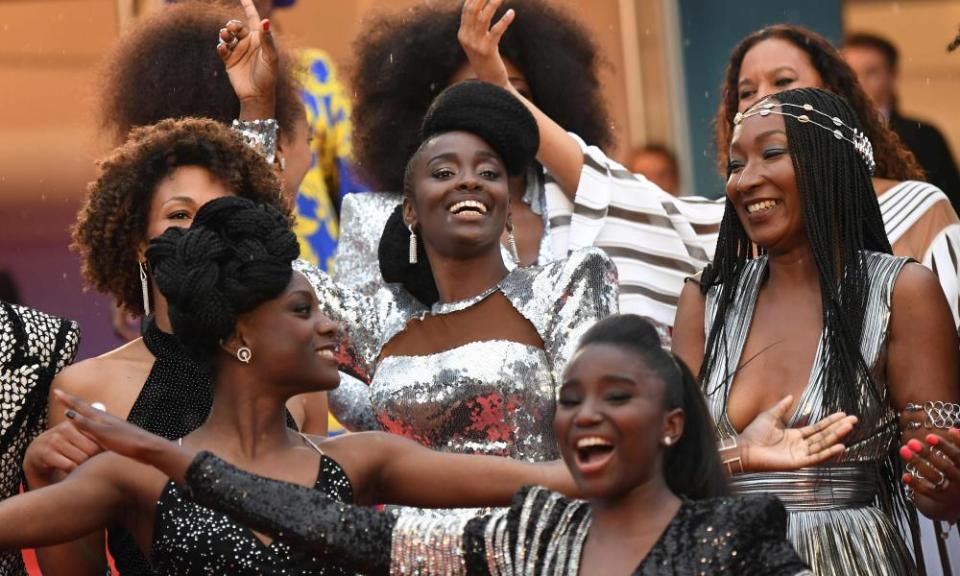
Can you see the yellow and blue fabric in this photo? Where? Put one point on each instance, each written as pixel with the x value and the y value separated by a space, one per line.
pixel 330 176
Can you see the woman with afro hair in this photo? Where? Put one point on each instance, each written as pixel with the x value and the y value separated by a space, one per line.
pixel 548 61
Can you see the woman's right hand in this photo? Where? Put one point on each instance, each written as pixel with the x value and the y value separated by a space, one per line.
pixel 767 444
pixel 55 453
pixel 118 435
pixel 252 63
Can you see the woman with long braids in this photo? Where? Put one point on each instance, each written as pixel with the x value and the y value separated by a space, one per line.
pixel 804 299
pixel 917 216
pixel 635 433
pixel 236 304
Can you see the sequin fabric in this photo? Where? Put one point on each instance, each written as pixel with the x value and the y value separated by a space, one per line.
pixel 34 347
pixel 333 536
pixel 833 520
pixel 494 397
pixel 541 534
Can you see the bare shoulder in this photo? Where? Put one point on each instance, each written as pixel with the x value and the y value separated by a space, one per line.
pixel 915 285
pixel 114 379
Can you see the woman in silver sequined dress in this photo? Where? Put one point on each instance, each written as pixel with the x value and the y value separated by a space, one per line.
pixel 476 369
pixel 805 308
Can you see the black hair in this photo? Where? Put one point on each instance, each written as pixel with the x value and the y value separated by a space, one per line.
pixel 894 160
pixel 841 219
pixel 492 114
pixel 404 59
pixel 692 466
pixel 236 256
pixel 9 292
pixel 875 42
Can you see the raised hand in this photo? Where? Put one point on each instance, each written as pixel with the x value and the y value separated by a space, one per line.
pixel 933 474
pixel 767 444
pixel 481 42
pixel 126 439
pixel 250 56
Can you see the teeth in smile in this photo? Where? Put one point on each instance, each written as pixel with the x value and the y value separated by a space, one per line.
pixel 762 205
pixel 325 353
pixel 468 205
pixel 593 441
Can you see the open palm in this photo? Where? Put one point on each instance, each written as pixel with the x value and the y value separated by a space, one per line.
pixel 767 444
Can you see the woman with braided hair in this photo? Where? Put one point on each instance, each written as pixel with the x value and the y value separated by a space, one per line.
pixel 237 305
pixel 917 216
pixel 804 301
pixel 635 434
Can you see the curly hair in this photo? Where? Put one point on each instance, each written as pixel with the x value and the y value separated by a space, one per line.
pixel 894 160
pixel 167 67
pixel 235 256
pixel 405 59
pixel 112 224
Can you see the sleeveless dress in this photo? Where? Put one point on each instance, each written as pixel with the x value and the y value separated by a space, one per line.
pixel 189 539
pixel 540 534
pixel 175 400
pixel 835 522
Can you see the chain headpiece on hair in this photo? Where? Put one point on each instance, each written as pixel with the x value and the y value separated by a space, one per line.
pixel 859 140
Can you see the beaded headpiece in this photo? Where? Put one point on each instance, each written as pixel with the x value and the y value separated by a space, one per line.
pixel 836 126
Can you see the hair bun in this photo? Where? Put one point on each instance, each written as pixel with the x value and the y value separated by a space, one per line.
pixel 491 113
pixel 234 257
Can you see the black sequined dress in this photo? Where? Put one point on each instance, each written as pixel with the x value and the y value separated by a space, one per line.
pixel 189 539
pixel 541 534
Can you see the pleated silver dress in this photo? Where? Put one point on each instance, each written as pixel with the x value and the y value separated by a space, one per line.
pixel 838 520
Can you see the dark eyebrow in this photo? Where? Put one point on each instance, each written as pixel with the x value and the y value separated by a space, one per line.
pixel 769 132
pixel 774 71
pixel 186 199
pixel 445 157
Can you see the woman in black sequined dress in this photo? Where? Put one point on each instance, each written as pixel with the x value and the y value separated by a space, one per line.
pixel 633 429
pixel 236 304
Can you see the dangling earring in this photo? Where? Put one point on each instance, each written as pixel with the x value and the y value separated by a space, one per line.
pixel 145 287
pixel 413 244
pixel 244 354
pixel 283 164
pixel 512 241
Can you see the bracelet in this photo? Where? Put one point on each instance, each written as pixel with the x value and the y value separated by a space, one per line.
pixel 937 414
pixel 261 135
pixel 734 464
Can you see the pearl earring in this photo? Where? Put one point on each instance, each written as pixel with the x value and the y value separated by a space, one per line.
pixel 667 441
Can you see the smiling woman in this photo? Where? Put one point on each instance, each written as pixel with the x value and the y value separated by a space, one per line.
pixel 634 431
pixel 804 301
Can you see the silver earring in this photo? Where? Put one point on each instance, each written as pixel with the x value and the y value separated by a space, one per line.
pixel 413 244
pixel 145 287
pixel 512 241
pixel 283 164
pixel 667 441
pixel 244 354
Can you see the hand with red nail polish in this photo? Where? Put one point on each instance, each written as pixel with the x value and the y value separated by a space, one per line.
pixel 934 475
pixel 252 63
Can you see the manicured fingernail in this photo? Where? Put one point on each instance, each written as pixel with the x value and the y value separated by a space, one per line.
pixel 915 445
pixel 71 414
pixel 906 453
pixel 266 25
pixel 907 478
pixel 933 439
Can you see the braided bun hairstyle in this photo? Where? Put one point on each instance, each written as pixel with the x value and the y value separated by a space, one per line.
pixel 236 256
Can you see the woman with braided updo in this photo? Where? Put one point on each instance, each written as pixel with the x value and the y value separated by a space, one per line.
pixel 236 304
pixel 158 179
pixel 804 307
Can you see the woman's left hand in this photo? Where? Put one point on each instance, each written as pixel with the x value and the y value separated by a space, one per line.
pixel 481 42
pixel 935 478
pixel 118 435
pixel 252 62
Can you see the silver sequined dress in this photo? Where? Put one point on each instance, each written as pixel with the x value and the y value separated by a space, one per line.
pixel 834 521
pixel 482 397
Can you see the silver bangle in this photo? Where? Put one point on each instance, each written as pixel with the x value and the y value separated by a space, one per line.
pixel 261 135
pixel 937 414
